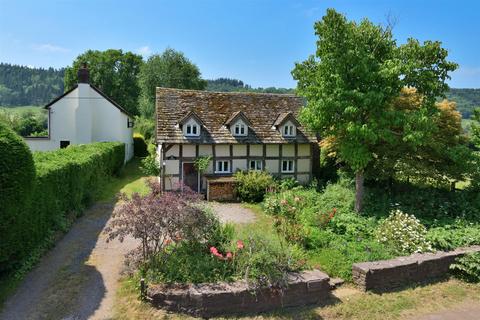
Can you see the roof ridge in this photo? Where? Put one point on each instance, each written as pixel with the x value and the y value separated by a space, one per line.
pixel 228 93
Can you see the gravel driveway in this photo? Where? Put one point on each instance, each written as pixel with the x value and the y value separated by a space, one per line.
pixel 78 278
pixel 232 212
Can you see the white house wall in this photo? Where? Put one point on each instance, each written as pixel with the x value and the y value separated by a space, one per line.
pixel 84 116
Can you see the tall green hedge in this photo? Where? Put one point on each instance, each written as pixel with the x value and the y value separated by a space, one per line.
pixel 17 173
pixel 66 181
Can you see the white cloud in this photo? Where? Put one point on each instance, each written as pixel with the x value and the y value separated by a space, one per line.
pixel 47 47
pixel 144 51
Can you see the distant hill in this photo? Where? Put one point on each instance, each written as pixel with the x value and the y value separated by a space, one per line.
pixel 234 85
pixel 466 99
pixel 21 85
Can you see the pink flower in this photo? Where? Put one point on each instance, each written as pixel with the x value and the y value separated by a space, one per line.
pixel 240 244
pixel 214 251
pixel 229 255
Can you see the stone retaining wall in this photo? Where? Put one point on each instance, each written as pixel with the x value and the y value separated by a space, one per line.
pixel 208 300
pixel 389 275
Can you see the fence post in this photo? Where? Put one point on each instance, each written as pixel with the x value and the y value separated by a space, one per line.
pixel 142 289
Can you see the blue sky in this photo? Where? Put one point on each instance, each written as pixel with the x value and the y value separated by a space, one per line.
pixel 256 41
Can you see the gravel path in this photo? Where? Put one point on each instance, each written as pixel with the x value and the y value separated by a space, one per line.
pixel 232 212
pixel 78 278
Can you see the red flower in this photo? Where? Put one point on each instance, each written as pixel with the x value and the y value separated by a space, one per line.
pixel 240 244
pixel 229 255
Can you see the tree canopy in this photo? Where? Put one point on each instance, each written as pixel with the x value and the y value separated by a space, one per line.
pixel 351 82
pixel 113 71
pixel 170 69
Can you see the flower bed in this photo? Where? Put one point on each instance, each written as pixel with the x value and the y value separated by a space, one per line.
pixel 208 300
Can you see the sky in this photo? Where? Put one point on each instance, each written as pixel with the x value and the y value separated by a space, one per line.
pixel 256 41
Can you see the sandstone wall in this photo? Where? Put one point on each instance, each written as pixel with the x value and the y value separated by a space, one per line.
pixel 389 275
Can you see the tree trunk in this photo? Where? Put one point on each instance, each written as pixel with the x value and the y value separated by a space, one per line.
pixel 359 191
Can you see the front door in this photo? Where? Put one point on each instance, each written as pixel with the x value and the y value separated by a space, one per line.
pixel 190 176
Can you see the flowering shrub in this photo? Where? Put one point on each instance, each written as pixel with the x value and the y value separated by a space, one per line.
pixel 404 233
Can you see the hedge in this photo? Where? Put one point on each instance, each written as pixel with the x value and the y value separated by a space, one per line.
pixel 66 181
pixel 17 173
pixel 139 146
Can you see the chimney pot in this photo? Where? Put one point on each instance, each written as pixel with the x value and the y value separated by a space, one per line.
pixel 83 74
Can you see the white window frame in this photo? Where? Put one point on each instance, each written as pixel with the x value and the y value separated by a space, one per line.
pixel 289 130
pixel 192 129
pixel 288 170
pixel 258 165
pixel 242 129
pixel 220 166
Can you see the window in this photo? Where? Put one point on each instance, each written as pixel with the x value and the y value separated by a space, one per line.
pixel 255 165
pixel 64 144
pixel 240 129
pixel 192 129
pixel 223 166
pixel 287 166
pixel 289 130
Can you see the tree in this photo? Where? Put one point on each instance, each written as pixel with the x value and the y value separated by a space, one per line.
pixel 113 71
pixel 171 69
pixel 443 156
pixel 357 72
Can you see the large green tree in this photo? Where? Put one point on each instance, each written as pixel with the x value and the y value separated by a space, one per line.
pixel 358 70
pixel 170 69
pixel 113 71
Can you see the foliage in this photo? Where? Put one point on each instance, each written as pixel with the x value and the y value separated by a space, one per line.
pixel 25 121
pixel 201 163
pixel 145 127
pixel 113 71
pixel 444 155
pixel 234 85
pixel 451 236
pixel 352 81
pixel 22 85
pixel 404 233
pixel 17 172
pixel 467 100
pixel 139 146
pixel 171 69
pixel 157 219
pixel 251 186
pixel 66 180
pixel 467 267
pixel 150 166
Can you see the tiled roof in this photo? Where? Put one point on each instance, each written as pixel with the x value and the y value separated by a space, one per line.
pixel 215 108
pixel 284 117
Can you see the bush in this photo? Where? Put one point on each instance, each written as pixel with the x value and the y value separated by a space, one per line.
pixel 17 173
pixel 66 181
pixel 454 235
pixel 251 186
pixel 404 233
pixel 139 146
pixel 467 267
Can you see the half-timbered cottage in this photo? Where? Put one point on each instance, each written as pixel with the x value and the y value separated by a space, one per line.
pixel 239 131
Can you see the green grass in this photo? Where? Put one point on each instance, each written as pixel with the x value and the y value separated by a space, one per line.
pixel 129 181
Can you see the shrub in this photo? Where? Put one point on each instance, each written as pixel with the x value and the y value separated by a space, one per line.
pixel 251 186
pixel 66 181
pixel 454 235
pixel 467 267
pixel 404 233
pixel 139 146
pixel 17 172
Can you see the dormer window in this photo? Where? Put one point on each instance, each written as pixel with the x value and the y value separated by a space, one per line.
pixel 240 129
pixel 286 124
pixel 192 130
pixel 191 125
pixel 238 124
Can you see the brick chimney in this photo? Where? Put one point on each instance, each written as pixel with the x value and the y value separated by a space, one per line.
pixel 83 74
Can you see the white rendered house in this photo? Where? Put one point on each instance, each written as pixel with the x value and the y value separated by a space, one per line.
pixel 82 115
